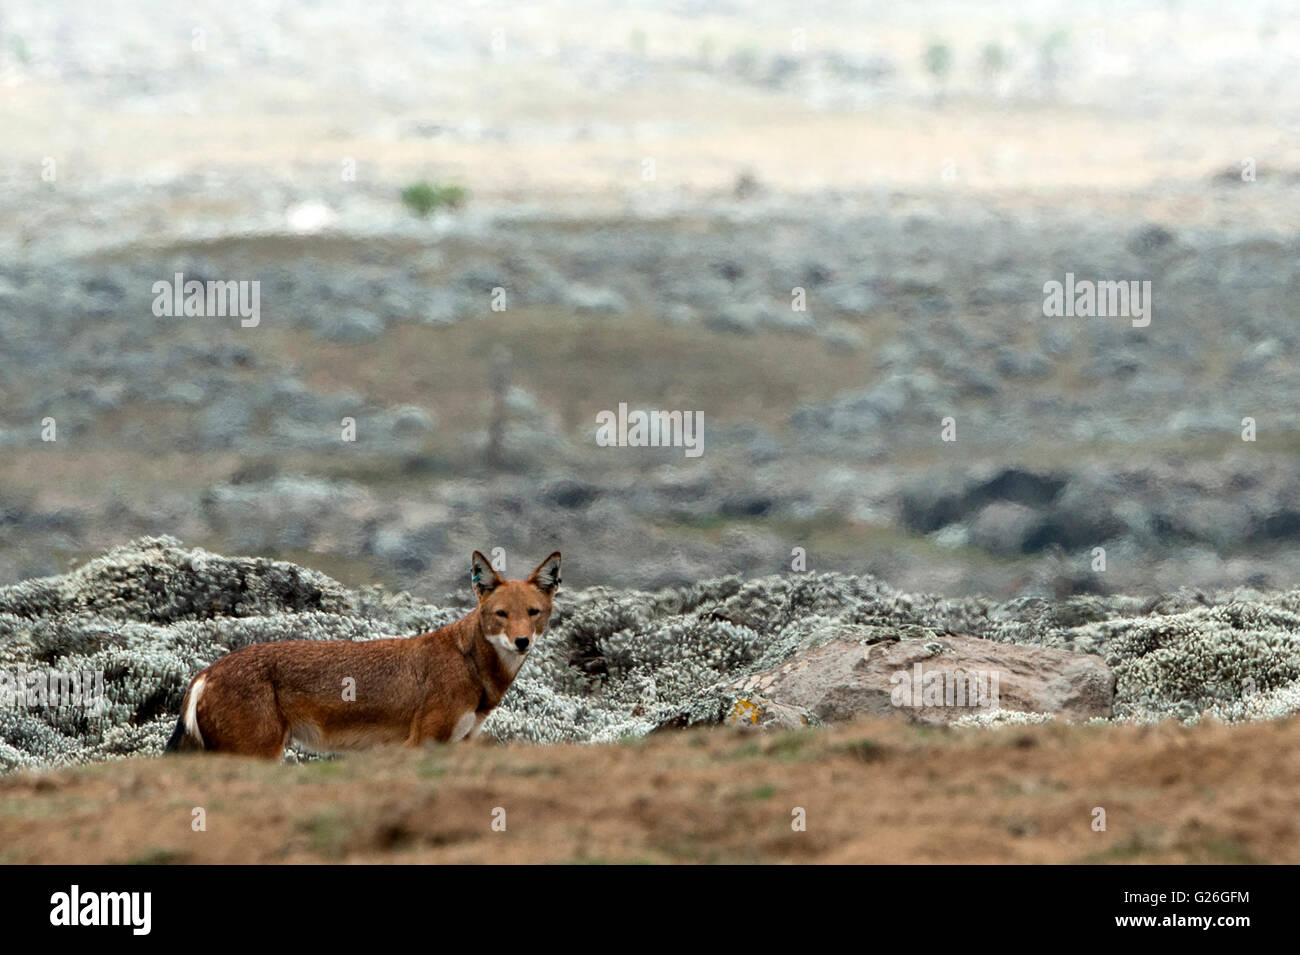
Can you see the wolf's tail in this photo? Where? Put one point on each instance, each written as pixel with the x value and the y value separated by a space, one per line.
pixel 186 735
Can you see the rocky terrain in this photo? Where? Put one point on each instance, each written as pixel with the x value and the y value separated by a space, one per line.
pixel 828 230
pixel 917 175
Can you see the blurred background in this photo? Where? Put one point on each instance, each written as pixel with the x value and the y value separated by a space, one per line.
pixel 648 183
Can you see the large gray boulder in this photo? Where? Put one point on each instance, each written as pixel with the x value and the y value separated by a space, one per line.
pixel 929 681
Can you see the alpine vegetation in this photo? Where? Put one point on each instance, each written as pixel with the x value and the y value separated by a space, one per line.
pixel 613 663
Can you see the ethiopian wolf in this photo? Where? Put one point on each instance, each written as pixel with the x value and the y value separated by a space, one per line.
pixel 332 695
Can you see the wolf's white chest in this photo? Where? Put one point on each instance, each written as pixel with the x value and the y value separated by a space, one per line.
pixel 467 726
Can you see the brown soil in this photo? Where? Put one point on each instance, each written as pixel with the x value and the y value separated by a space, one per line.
pixel 872 792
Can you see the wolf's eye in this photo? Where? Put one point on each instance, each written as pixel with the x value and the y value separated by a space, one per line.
pixel 533 611
pixel 502 613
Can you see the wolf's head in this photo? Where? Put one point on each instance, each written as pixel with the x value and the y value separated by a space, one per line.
pixel 513 613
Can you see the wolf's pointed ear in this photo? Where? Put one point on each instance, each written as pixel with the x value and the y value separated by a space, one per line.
pixel 547 575
pixel 481 575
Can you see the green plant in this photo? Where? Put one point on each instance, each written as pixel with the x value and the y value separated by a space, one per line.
pixel 993 59
pixel 424 197
pixel 938 60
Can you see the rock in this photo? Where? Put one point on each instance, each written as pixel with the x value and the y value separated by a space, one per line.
pixel 841 337
pixel 309 217
pixel 732 319
pixel 843 680
pixel 444 307
pixel 1085 513
pixel 1149 239
pixel 1007 509
pixel 1018 486
pixel 1004 527
pixel 1021 364
pixel 570 493
pixel 862 412
pixel 769 715
pixel 409 421
pixel 351 326
pixel 934 502
pixel 859 298
pixel 605 301
pixel 286 512
pixel 411 550
pixel 226 422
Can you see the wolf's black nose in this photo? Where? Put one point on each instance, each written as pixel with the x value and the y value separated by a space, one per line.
pixel 522 644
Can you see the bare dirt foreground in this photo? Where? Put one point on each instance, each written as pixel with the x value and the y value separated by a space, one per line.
pixel 872 792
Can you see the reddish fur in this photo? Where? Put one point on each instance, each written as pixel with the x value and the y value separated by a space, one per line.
pixel 410 691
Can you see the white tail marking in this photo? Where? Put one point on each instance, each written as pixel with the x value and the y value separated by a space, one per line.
pixel 192 711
